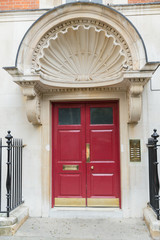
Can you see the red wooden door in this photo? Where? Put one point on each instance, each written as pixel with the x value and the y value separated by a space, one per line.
pixel 86 154
pixel 69 155
pixel 103 172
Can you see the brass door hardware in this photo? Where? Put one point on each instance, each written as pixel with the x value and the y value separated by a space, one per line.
pixel 72 202
pixel 87 152
pixel 103 202
pixel 92 167
pixel 70 167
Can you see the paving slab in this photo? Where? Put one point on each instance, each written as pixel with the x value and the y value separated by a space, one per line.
pixel 81 229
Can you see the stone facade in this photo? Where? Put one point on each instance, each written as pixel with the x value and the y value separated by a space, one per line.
pixel 25 107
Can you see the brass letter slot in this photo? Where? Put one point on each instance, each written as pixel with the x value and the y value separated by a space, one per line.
pixel 70 167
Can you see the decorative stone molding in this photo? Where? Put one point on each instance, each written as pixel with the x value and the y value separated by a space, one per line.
pixel 75 24
pixel 32 105
pixel 56 91
pixel 80 48
pixel 59 20
pixel 87 50
pixel 81 53
pixel 135 100
pixel 31 89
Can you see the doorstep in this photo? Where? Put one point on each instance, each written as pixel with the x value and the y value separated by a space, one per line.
pixel 85 212
pixel 9 225
pixel 152 223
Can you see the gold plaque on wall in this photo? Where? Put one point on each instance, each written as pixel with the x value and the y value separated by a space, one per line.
pixel 135 150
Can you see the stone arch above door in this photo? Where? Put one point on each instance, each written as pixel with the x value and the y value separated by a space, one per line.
pixel 79 46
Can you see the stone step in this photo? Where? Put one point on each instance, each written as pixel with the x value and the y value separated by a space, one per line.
pixel 152 223
pixel 8 226
pixel 85 213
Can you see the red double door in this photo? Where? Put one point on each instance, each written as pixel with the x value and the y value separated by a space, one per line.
pixel 86 168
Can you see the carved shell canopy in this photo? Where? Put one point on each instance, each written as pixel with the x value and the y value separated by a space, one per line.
pixel 84 46
pixel 81 53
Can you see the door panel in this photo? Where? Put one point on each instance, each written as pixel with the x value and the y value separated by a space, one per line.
pixel 99 182
pixel 86 168
pixel 103 168
pixel 69 154
pixel 68 180
pixel 100 140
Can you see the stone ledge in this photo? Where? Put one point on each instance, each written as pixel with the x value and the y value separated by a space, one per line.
pixel 152 223
pixel 8 226
pixel 85 213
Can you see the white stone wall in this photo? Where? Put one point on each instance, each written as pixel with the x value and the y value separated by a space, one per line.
pixel 12 108
pixel 146 21
pixel 13 25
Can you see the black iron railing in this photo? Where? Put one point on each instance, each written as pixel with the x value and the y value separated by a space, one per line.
pixel 11 173
pixel 153 173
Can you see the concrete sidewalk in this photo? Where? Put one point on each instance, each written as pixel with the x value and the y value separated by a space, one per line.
pixel 81 229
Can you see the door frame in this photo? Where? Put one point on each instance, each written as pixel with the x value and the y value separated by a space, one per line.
pixel 81 95
pixel 116 102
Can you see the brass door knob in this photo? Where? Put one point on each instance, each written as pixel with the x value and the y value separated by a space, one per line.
pixel 92 167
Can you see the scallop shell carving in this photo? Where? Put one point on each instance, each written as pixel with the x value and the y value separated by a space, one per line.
pixel 81 54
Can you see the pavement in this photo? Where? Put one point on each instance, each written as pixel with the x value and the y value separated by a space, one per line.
pixel 82 229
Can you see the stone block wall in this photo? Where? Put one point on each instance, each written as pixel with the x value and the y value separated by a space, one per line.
pixel 18 4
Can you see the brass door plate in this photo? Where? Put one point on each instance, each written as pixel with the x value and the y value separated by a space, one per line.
pixel 135 150
pixel 103 202
pixel 70 167
pixel 70 202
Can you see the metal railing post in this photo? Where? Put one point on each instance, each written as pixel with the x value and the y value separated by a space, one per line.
pixel 153 173
pixel 9 171
pixel 13 173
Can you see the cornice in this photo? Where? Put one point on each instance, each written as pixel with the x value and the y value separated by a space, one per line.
pixel 21 16
pixel 126 9
pixel 84 90
pixel 138 9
